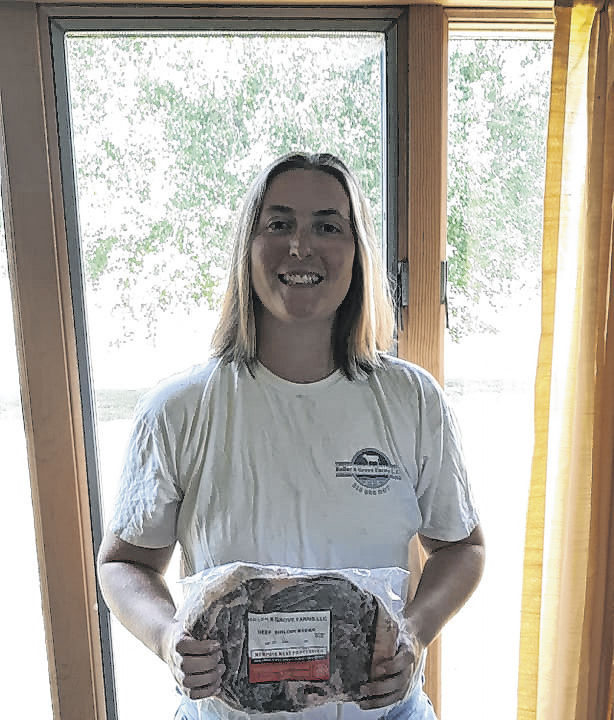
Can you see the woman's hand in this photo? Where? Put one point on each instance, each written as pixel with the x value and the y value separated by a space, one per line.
pixel 196 665
pixel 393 666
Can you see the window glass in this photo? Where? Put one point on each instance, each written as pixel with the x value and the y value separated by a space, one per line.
pixel 24 660
pixel 498 109
pixel 168 132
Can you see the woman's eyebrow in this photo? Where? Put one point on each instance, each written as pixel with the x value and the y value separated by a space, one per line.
pixel 280 208
pixel 316 213
pixel 328 211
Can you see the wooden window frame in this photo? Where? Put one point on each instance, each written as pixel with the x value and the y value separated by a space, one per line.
pixel 422 341
pixel 40 279
pixel 386 20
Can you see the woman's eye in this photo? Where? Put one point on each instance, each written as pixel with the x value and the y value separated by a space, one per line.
pixel 278 225
pixel 329 228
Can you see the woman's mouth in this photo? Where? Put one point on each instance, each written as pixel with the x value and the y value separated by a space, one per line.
pixel 302 279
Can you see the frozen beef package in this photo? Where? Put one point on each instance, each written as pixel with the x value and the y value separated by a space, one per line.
pixel 292 638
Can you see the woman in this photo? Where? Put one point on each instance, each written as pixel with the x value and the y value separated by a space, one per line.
pixel 256 455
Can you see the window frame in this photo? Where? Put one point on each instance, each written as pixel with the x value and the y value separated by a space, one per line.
pixel 89 695
pixel 385 20
pixel 497 24
pixel 42 290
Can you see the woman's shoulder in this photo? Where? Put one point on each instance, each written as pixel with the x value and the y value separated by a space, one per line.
pixel 394 370
pixel 182 391
pixel 407 387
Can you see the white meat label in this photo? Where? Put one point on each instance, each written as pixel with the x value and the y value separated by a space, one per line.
pixel 288 646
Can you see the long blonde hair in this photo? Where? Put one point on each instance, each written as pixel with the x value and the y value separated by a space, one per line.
pixel 364 324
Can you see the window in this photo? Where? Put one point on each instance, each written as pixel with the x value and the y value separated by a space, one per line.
pixel 164 128
pixel 498 110
pixel 60 456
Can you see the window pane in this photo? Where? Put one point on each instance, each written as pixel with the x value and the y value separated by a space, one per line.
pixel 24 664
pixel 498 107
pixel 168 133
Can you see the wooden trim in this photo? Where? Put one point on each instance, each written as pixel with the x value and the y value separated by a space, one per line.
pixel 404 91
pixel 494 14
pixel 6 216
pixel 320 4
pixel 403 180
pixel 428 61
pixel 516 24
pixel 70 348
pixel 47 374
pixel 230 10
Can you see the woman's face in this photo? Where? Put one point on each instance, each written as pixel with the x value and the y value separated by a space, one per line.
pixel 302 251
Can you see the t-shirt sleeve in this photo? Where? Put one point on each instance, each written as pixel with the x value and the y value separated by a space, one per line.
pixel 443 492
pixel 148 499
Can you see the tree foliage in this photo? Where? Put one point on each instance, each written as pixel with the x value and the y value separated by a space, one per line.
pixel 169 131
pixel 498 102
pixel 168 140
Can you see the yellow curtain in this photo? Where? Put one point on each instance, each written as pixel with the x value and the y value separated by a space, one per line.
pixel 567 630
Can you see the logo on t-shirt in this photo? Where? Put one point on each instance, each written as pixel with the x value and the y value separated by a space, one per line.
pixel 371 470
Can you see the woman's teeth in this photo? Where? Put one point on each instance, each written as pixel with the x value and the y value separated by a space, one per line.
pixel 300 278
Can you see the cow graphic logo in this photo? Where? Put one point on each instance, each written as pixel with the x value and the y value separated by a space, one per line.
pixel 371 470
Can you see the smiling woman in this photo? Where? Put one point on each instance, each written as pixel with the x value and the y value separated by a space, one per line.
pixel 307 212
pixel 302 256
pixel 299 362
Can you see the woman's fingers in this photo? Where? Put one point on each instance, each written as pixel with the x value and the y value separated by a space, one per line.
pixel 402 660
pixel 187 645
pixel 379 693
pixel 199 664
pixel 390 680
pixel 201 691
pixel 200 676
pixel 379 701
pixel 387 685
pixel 199 685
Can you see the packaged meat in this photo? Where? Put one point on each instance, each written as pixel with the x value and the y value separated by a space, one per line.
pixel 293 638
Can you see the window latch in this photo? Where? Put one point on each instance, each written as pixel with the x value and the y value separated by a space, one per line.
pixel 402 289
pixel 443 289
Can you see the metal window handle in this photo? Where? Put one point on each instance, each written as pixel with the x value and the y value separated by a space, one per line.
pixel 402 290
pixel 443 289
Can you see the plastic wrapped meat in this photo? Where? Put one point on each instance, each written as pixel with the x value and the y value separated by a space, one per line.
pixel 290 642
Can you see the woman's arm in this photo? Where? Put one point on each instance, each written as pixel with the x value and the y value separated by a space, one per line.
pixel 451 574
pixel 133 586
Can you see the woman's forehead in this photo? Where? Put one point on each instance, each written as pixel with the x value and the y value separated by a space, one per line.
pixel 307 191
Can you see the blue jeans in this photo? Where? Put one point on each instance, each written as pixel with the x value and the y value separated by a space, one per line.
pixel 417 707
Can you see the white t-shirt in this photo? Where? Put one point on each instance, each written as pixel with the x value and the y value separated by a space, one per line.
pixel 329 474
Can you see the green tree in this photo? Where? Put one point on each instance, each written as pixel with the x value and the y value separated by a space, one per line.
pixel 169 132
pixel 168 139
pixel 498 103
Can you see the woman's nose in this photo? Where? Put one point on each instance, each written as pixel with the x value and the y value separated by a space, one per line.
pixel 300 244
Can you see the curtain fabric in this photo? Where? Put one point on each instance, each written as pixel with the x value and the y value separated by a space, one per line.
pixel 567 630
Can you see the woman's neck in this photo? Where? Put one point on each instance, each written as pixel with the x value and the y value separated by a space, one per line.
pixel 297 352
